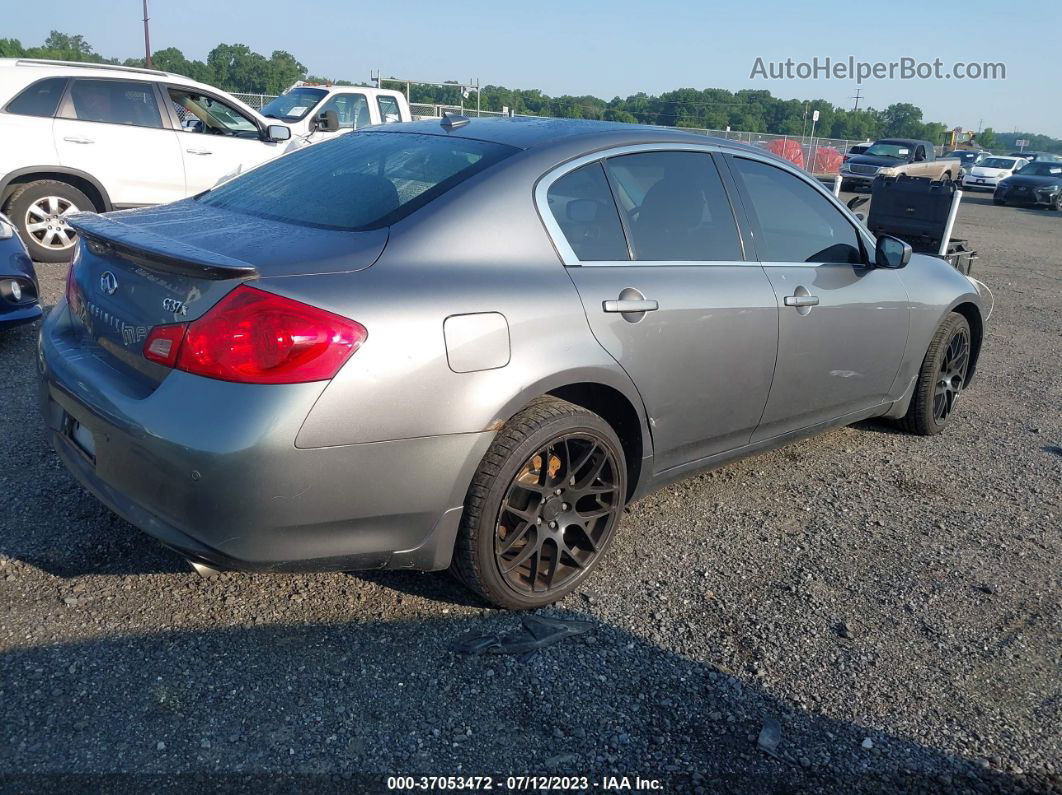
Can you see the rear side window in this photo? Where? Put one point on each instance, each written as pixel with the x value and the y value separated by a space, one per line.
pixel 581 203
pixel 39 99
pixel 677 208
pixel 389 111
pixel 115 102
pixel 796 222
pixel 356 182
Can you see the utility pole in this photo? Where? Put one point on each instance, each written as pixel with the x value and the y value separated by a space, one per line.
pixel 147 39
pixel 857 97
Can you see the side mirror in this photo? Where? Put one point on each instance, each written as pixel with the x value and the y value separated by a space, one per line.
pixel 327 121
pixel 278 132
pixel 891 252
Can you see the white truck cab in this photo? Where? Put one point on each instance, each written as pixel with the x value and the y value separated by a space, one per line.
pixel 316 112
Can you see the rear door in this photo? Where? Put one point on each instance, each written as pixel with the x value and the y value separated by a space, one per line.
pixel 842 323
pixel 217 140
pixel 668 293
pixel 114 131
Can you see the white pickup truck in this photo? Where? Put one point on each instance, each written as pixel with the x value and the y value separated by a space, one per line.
pixel 315 112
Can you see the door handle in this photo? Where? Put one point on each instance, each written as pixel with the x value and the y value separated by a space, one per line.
pixel 199 151
pixel 630 305
pixel 78 140
pixel 801 300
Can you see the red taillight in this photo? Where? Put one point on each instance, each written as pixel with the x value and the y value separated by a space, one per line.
pixel 256 337
pixel 73 292
pixel 164 342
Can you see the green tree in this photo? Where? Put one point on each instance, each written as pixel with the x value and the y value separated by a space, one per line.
pixel 11 48
pixel 902 120
pixel 987 138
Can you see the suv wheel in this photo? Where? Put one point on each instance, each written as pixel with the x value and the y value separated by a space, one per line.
pixel 39 210
pixel 543 506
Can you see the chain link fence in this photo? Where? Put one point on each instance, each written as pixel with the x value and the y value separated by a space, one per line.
pixel 820 156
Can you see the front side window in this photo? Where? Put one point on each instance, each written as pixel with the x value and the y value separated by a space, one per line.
pixel 39 99
pixel 796 223
pixel 581 203
pixel 352 110
pixel 200 113
pixel 294 105
pixel 115 102
pixel 389 111
pixel 356 182
pixel 676 207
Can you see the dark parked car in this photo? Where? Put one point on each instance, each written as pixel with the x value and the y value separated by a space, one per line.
pixel 1034 156
pixel 469 344
pixel 1038 183
pixel 968 159
pixel 18 280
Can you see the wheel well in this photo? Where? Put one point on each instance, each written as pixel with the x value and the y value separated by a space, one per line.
pixel 615 409
pixel 977 328
pixel 84 185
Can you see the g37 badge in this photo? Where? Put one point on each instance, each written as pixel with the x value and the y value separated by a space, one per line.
pixel 175 306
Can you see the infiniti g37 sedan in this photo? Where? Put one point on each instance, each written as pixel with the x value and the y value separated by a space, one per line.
pixel 469 344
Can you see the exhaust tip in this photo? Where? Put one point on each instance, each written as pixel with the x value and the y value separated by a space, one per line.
pixel 203 570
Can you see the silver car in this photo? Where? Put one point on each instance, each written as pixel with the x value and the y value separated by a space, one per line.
pixel 468 345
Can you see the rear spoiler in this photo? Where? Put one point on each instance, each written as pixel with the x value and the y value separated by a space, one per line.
pixel 157 252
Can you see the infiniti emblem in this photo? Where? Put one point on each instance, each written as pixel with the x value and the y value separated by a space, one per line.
pixel 108 283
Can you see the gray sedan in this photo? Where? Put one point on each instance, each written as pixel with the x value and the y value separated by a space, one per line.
pixel 468 345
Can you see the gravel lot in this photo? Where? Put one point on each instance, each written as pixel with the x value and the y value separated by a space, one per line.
pixel 892 601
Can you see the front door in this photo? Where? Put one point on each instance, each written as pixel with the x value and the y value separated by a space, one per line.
pixel 667 292
pixel 842 324
pixel 217 140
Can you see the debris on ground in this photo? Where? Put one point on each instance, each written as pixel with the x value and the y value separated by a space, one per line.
pixel 770 737
pixel 536 632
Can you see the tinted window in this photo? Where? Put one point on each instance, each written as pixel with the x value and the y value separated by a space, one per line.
pixel 676 206
pixel 203 114
pixel 582 205
pixel 115 102
pixel 389 111
pixel 352 110
pixel 796 222
pixel 39 99
pixel 354 182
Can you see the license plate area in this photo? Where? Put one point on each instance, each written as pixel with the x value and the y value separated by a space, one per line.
pixel 81 437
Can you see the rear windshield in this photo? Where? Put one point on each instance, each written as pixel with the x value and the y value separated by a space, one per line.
pixel 998 162
pixel 357 181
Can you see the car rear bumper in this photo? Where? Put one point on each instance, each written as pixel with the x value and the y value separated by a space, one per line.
pixel 211 469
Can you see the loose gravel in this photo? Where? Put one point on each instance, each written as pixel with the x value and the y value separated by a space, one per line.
pixel 861 611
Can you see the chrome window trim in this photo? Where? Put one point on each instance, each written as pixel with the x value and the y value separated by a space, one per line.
pixel 567 255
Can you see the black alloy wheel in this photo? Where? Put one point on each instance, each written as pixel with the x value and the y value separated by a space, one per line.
pixel 557 514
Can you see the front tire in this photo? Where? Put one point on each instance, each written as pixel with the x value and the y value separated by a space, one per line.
pixel 543 506
pixel 941 378
pixel 39 210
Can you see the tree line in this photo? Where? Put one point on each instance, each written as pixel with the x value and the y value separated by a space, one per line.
pixel 238 68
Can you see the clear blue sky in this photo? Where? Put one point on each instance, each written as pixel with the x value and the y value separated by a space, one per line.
pixel 613 48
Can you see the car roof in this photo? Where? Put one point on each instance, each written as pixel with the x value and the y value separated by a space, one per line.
pixel 527 132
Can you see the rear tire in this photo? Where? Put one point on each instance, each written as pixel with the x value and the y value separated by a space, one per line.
pixel 941 378
pixel 38 209
pixel 543 506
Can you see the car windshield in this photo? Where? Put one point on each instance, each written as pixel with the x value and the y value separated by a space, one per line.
pixel 1041 169
pixel 885 149
pixel 356 182
pixel 998 162
pixel 294 105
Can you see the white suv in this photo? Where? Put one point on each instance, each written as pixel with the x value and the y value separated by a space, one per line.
pixel 78 136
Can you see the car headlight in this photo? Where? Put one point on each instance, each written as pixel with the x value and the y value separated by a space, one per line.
pixel 7 229
pixel 1050 189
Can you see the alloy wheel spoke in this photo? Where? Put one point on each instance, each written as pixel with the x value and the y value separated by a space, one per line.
pixel 521 558
pixel 515 536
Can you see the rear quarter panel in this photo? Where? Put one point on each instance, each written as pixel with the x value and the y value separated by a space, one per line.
pixel 479 249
